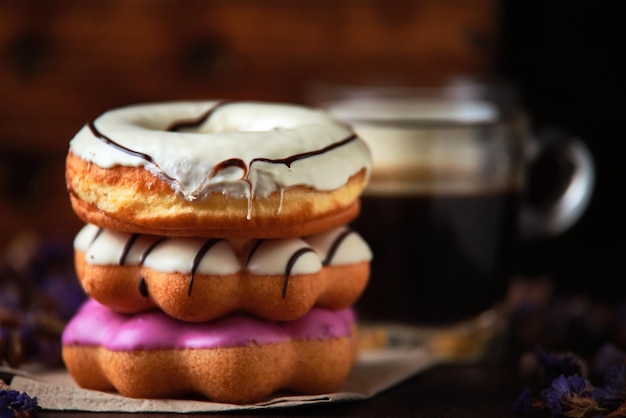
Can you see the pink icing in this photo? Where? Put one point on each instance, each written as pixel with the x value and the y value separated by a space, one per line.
pixel 97 325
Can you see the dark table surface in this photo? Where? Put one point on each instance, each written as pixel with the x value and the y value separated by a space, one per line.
pixel 484 391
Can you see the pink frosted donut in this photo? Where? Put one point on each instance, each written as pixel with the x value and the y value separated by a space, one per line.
pixel 237 359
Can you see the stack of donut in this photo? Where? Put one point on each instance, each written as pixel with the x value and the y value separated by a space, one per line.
pixel 216 254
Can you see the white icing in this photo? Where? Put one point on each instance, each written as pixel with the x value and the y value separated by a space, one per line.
pixel 85 237
pixel 272 257
pixel 239 130
pixel 139 248
pixel 106 247
pixel 177 256
pixel 352 249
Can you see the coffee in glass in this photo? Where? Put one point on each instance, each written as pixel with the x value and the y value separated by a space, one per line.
pixel 443 209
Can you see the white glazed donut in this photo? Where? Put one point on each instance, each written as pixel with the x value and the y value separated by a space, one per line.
pixel 216 169
pixel 200 279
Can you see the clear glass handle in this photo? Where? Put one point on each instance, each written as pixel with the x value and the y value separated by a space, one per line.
pixel 574 177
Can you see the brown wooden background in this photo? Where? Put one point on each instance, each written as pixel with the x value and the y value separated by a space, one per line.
pixel 64 62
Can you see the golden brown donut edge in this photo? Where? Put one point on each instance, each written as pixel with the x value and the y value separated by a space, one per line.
pixel 131 199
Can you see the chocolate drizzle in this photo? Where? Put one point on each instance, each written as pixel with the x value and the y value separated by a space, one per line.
pixel 143 287
pixel 127 247
pixel 177 126
pixel 231 162
pixel 253 250
pixel 293 158
pixel 198 258
pixel 96 235
pixel 150 248
pixel 102 137
pixel 332 250
pixel 292 261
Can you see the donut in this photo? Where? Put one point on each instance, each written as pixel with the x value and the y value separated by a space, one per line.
pixel 235 359
pixel 217 169
pixel 199 279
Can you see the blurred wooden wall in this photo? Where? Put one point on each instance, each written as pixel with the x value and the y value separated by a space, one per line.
pixel 64 62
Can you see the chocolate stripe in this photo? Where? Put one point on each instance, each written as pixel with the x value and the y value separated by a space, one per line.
pixel 95 237
pixel 102 137
pixel 292 261
pixel 143 287
pixel 290 160
pixel 332 250
pixel 150 248
pixel 253 250
pixel 198 258
pixel 194 123
pixel 187 124
pixel 127 247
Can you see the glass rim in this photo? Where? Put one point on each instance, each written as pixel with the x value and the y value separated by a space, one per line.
pixel 440 123
pixel 359 103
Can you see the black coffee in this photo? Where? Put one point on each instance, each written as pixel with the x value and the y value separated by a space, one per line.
pixel 437 258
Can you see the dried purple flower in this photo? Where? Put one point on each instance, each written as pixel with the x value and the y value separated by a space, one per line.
pixel 521 406
pixel 607 398
pixel 568 396
pixel 555 364
pixel 615 377
pixel 17 404
pixel 607 356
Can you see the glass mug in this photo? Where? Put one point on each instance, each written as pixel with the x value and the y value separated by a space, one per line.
pixel 445 211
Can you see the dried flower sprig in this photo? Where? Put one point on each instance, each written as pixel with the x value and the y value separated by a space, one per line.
pixel 570 396
pixel 570 393
pixel 15 404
